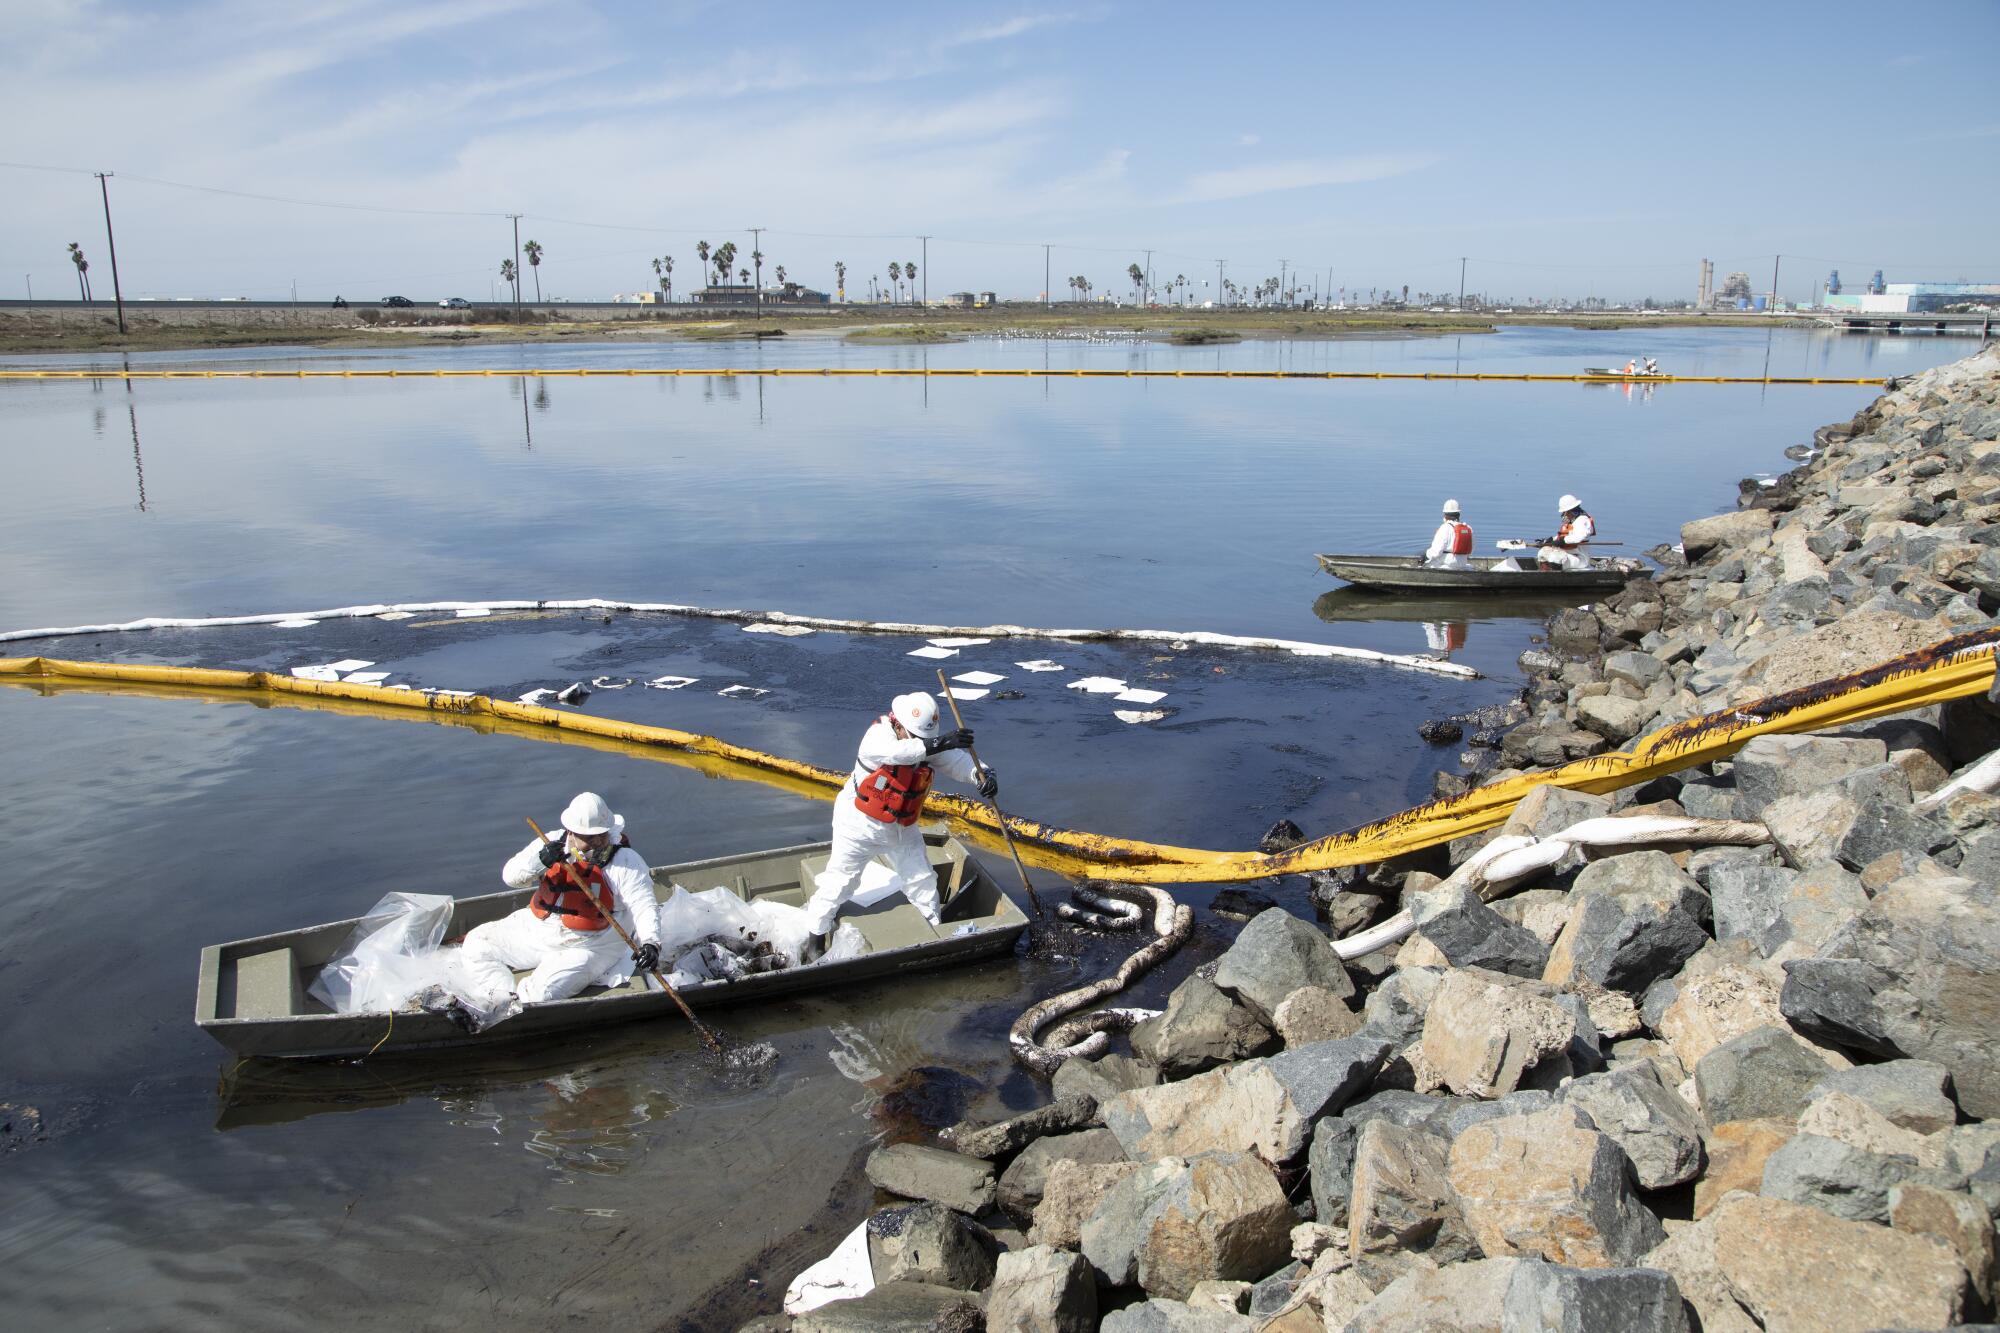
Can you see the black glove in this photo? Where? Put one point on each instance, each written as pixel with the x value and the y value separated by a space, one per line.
pixel 552 853
pixel 647 956
pixel 951 740
pixel 989 784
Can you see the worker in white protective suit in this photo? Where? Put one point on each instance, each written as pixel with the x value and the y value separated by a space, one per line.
pixel 563 934
pixel 1562 550
pixel 1451 543
pixel 875 815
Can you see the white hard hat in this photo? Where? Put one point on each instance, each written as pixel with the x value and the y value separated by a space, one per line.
pixel 588 814
pixel 1451 506
pixel 918 713
pixel 1567 503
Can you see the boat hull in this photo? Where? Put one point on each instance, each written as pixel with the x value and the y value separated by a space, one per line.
pixel 251 995
pixel 1388 573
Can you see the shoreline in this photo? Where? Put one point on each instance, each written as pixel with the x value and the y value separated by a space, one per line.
pixel 1669 1081
pixel 30 331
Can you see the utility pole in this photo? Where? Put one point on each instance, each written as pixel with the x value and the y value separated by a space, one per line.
pixel 925 276
pixel 1461 282
pixel 757 258
pixel 517 259
pixel 1048 297
pixel 113 245
pixel 1774 280
pixel 1145 297
pixel 31 285
pixel 1219 284
pixel 1281 281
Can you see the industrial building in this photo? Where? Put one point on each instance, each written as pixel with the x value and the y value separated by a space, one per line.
pixel 1905 298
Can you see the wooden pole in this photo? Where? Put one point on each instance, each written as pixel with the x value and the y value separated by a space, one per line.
pixel 708 1038
pixel 998 818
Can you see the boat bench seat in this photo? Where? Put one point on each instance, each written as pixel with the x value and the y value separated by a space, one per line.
pixel 267 986
pixel 892 923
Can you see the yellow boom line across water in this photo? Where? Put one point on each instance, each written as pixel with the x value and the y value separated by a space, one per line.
pixel 827 372
pixel 1952 669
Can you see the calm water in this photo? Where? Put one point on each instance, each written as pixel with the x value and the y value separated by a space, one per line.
pixel 604 1175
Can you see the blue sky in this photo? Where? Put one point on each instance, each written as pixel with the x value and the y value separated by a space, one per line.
pixel 1565 152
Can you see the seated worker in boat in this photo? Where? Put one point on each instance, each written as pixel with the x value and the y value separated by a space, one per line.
pixel 1651 367
pixel 1561 551
pixel 562 933
pixel 875 815
pixel 1630 367
pixel 1451 543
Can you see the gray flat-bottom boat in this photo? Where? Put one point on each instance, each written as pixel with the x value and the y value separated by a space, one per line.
pixel 253 994
pixel 1395 572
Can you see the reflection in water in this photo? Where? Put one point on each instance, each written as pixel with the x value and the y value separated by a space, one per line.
pixel 527 431
pixel 138 463
pixel 1448 619
pixel 1445 636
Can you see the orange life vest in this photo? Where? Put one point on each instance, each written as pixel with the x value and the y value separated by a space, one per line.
pixel 1562 536
pixel 558 895
pixel 1461 539
pixel 893 793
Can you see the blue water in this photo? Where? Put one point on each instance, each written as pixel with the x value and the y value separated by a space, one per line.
pixel 175 1187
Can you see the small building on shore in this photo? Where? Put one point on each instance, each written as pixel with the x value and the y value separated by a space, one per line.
pixel 790 293
pixel 1909 298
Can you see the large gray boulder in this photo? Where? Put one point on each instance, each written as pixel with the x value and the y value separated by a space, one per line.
pixel 1200 1028
pixel 1659 1132
pixel 1041 1289
pixel 1852 820
pixel 1275 955
pixel 1020 1186
pixel 1470 934
pixel 1101 1079
pixel 928 1242
pixel 1770 767
pixel 1549 1185
pixel 1915 1094
pixel 1215 1216
pixel 1840 1178
pixel 1915 975
pixel 898 1307
pixel 1634 919
pixel 1266 1106
pixel 918 1172
pixel 1612 717
pixel 1330 1160
pixel 1552 1298
pixel 1765 1073
pixel 1395 1009
pixel 1401 1198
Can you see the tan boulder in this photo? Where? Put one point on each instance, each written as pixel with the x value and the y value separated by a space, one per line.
pixel 1481 1035
pixel 1714 1008
pixel 1547 1185
pixel 1737 1151
pixel 1073 1191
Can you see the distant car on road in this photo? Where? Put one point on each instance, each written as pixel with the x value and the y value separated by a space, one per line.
pixel 397 301
pixel 454 303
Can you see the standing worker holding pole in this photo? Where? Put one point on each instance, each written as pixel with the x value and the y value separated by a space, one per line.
pixel 875 816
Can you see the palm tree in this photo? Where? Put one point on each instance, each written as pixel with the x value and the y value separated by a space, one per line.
pixel 757 258
pixel 779 273
pixel 1138 276
pixel 701 253
pixel 1180 284
pixel 507 274
pixel 725 259
pixel 533 250
pixel 895 282
pixel 910 276
pixel 82 269
pixel 840 278
pixel 663 268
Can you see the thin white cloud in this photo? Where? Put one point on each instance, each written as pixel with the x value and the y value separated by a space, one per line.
pixel 999 32
pixel 1270 177
pixel 1250 140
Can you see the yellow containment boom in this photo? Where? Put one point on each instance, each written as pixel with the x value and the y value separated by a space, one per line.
pixel 1953 669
